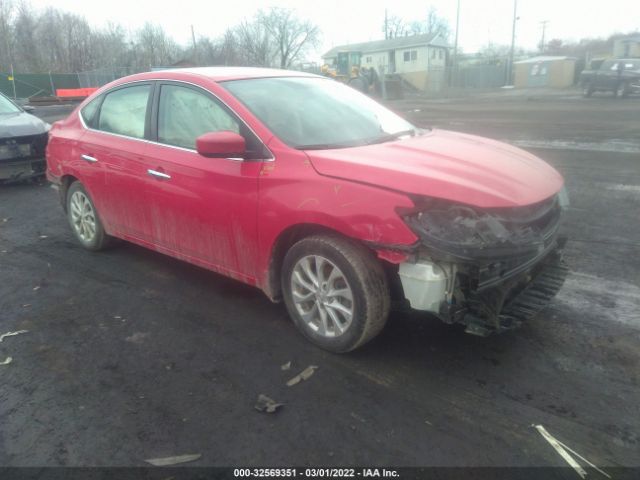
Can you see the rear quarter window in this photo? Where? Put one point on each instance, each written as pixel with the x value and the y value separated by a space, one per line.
pixel 89 112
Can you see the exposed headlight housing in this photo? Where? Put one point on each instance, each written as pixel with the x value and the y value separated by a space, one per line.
pixel 469 233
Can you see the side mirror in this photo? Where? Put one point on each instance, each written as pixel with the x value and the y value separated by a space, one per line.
pixel 224 144
pixel 28 108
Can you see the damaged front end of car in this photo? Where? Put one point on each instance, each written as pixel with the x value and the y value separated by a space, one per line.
pixel 22 157
pixel 489 269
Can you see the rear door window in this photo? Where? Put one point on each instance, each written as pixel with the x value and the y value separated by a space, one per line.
pixel 124 111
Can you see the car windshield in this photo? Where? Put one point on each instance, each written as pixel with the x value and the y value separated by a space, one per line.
pixel 7 106
pixel 316 113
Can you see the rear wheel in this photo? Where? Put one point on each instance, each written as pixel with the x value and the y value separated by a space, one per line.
pixel 84 220
pixel 336 292
pixel 623 90
pixel 587 89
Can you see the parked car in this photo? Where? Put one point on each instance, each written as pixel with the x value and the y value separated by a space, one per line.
pixel 620 76
pixel 316 194
pixel 23 139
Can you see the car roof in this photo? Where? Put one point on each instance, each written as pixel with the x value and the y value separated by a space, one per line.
pixel 218 74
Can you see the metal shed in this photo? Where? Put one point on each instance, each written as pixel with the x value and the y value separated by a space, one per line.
pixel 545 71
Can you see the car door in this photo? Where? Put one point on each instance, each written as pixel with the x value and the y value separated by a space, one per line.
pixel 115 142
pixel 83 154
pixel 202 209
pixel 607 80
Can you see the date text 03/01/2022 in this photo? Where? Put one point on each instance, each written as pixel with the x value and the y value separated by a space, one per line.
pixel 316 472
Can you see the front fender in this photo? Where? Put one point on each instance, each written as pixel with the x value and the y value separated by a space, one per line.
pixel 292 193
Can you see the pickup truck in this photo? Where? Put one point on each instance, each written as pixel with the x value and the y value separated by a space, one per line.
pixel 620 76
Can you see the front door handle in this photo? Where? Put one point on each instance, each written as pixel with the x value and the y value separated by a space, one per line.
pixel 89 158
pixel 155 173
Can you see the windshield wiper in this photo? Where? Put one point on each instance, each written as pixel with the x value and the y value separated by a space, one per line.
pixel 393 136
pixel 323 146
pixel 384 138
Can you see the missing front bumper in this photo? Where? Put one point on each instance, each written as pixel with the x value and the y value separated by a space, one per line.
pixel 506 307
pixel 454 294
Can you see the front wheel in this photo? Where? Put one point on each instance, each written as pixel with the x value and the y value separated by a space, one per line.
pixel 84 220
pixel 587 89
pixel 336 292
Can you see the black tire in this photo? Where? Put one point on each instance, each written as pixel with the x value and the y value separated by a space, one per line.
pixel 364 275
pixel 587 89
pixel 622 91
pixel 100 239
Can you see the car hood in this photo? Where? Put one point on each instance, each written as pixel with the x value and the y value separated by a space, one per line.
pixel 20 124
pixel 448 165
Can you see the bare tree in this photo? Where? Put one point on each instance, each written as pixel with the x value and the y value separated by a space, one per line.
pixel 228 49
pixel 76 40
pixel 290 35
pixel 437 25
pixel 6 26
pixel 110 47
pixel 255 43
pixel 49 34
pixel 52 40
pixel 27 53
pixel 395 27
pixel 434 25
pixel 154 47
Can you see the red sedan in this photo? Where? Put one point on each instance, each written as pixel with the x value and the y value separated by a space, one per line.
pixel 316 194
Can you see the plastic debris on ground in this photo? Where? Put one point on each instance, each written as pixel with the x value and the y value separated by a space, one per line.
pixel 304 375
pixel 163 462
pixel 286 366
pixel 266 404
pixel 565 451
pixel 7 361
pixel 12 334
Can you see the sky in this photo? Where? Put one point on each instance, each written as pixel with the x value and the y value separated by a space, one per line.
pixel 351 21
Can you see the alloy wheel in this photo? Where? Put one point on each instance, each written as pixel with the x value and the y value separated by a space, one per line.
pixel 322 296
pixel 83 217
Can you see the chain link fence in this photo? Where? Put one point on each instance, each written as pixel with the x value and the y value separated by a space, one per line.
pixel 477 76
pixel 30 85
pixel 97 78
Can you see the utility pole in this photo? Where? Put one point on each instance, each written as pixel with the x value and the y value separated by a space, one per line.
pixel 513 42
pixel 455 44
pixel 544 28
pixel 195 52
pixel 386 25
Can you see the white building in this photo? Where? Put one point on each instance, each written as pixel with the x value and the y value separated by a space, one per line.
pixel 419 59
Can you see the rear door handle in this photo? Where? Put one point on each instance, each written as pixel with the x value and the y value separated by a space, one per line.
pixel 155 173
pixel 89 158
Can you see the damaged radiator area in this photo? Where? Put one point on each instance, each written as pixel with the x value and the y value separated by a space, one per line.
pixel 22 157
pixel 507 305
pixel 508 261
